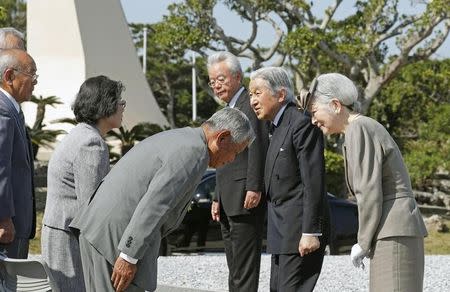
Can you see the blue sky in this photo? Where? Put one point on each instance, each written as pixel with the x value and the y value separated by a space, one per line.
pixel 151 11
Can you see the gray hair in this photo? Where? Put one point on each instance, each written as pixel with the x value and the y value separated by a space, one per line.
pixel 231 60
pixel 277 79
pixel 5 32
pixel 235 121
pixel 8 59
pixel 335 85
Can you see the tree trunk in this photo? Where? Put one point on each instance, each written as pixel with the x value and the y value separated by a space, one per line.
pixel 370 91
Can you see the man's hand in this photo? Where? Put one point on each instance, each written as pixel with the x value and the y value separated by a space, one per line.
pixel 308 244
pixel 357 255
pixel 123 274
pixel 7 231
pixel 215 211
pixel 252 199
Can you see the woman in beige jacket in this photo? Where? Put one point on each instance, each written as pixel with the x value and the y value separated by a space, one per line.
pixel 391 228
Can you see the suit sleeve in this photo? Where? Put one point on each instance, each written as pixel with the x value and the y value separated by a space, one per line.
pixel 308 140
pixel 216 194
pixel 365 160
pixel 6 148
pixel 166 188
pixel 90 166
pixel 256 152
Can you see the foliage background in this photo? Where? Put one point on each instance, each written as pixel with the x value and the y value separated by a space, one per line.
pixel 405 90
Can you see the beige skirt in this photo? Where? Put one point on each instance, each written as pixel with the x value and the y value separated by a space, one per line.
pixel 397 264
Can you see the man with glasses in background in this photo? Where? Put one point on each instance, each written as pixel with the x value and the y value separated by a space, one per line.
pixel 17 207
pixel 239 204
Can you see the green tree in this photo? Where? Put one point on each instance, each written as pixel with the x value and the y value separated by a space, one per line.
pixel 13 14
pixel 40 136
pixel 310 44
pixel 415 108
pixel 170 77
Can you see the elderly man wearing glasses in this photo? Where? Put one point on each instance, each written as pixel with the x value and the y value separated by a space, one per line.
pixel 17 212
pixel 240 203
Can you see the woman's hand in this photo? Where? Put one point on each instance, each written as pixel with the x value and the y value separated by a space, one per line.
pixel 357 255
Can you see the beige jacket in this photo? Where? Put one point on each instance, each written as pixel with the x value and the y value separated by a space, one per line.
pixel 377 176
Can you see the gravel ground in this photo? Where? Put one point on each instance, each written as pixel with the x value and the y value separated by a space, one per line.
pixel 209 272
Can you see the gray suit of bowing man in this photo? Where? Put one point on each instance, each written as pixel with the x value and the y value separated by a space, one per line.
pixel 146 195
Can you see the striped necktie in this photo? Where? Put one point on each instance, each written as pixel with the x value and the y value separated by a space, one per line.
pixel 22 118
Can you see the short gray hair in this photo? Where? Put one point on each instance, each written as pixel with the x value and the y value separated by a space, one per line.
pixel 5 32
pixel 335 85
pixel 235 121
pixel 8 59
pixel 231 60
pixel 277 79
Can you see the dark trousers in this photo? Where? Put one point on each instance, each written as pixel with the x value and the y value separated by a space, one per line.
pixel 242 236
pixel 293 273
pixel 197 220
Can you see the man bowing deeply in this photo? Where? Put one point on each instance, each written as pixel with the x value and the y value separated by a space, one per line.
pixel 146 195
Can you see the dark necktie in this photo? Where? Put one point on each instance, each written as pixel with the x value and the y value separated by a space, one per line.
pixel 272 128
pixel 22 119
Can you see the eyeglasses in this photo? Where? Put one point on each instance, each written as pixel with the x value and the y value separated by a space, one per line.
pixel 122 103
pixel 34 77
pixel 220 80
pixel 305 99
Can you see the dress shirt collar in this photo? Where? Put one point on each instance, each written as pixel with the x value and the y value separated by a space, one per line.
pixel 9 96
pixel 233 101
pixel 278 115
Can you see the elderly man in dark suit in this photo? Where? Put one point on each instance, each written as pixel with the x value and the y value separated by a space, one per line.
pixel 17 211
pixel 294 179
pixel 240 203
pixel 146 195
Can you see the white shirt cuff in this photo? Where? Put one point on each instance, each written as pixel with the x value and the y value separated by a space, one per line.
pixel 128 258
pixel 312 234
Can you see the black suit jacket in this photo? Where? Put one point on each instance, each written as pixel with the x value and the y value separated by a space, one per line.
pixel 16 171
pixel 246 172
pixel 295 186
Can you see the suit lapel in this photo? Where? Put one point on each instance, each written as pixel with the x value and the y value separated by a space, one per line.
pixel 15 114
pixel 240 103
pixel 277 140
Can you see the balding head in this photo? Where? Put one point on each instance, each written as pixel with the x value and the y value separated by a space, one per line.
pixel 18 73
pixel 11 38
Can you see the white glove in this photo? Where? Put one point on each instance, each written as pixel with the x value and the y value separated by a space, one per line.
pixel 357 255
